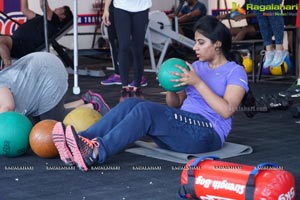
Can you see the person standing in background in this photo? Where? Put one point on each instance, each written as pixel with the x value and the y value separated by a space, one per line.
pixel 131 21
pixel 115 79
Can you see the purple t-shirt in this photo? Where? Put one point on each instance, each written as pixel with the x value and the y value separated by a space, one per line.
pixel 217 79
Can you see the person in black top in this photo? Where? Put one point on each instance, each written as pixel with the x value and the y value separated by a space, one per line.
pixel 30 35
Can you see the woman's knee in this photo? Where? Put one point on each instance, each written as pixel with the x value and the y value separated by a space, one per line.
pixel 146 108
pixel 132 101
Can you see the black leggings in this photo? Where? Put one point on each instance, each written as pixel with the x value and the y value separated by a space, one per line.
pixel 131 29
pixel 113 39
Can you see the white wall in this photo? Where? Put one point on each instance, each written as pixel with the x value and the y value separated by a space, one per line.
pixel 162 4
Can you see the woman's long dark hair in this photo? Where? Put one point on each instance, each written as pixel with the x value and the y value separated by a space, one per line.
pixel 215 30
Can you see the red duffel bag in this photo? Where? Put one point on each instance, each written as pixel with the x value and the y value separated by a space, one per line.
pixel 208 179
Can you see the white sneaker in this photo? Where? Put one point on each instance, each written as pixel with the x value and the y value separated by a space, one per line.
pixel 269 55
pixel 279 57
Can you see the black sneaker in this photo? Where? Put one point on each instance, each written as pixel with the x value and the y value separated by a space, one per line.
pixel 291 92
pixel 81 148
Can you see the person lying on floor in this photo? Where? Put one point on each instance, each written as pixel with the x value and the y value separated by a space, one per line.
pixel 195 120
pixel 35 85
pixel 30 35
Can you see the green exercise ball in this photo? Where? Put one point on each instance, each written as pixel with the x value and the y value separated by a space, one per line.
pixel 14 134
pixel 164 75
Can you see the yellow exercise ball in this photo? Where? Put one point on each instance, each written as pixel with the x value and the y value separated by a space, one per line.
pixel 277 71
pixel 247 62
pixel 82 118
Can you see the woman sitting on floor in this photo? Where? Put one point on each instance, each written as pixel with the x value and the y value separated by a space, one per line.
pixel 195 120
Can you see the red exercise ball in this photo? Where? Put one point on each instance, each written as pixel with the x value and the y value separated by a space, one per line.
pixel 40 139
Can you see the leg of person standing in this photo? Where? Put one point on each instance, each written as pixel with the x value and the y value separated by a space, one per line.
pixel 266 34
pixel 123 25
pixel 114 79
pixel 274 56
pixel 139 26
pixel 131 29
pixel 278 32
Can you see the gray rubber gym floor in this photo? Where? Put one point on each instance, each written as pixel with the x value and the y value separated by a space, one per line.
pixel 274 136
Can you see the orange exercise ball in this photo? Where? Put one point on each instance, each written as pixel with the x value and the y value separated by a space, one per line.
pixel 40 139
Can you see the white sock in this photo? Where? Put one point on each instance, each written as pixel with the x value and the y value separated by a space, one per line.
pixel 298 82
